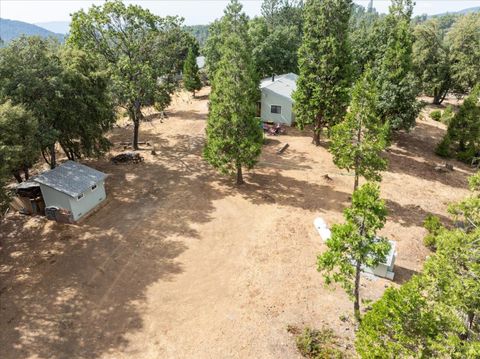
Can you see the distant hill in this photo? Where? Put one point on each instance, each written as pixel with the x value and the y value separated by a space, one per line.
pixel 11 29
pixel 461 12
pixel 59 27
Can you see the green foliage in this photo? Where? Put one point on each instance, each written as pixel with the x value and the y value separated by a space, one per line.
pixel 199 32
pixel 318 344
pixel 431 56
pixel 357 142
pixel 464 127
pixel 354 244
pixel 191 80
pixel 234 135
pixel 212 47
pixel 464 40
pixel 448 114
pixel 363 37
pixel 437 313
pixel 322 95
pixel 443 149
pixel 395 79
pixel 142 52
pixel 276 37
pixel 436 115
pixel 44 78
pixel 19 147
pixel 433 225
pixel 467 210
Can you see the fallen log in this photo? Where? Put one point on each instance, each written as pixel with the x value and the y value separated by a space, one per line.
pixel 281 150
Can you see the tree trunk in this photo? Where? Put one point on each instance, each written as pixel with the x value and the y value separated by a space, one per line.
pixel 137 115
pixel 355 184
pixel 53 157
pixel 26 172
pixel 439 96
pixel 356 293
pixel 193 93
pixel 317 130
pixel 136 127
pixel 17 176
pixel 239 175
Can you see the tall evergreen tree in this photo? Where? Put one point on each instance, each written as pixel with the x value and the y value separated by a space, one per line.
pixel 321 97
pixel 358 141
pixel 354 244
pixel 463 134
pixel 191 80
pixel 398 88
pixel 234 135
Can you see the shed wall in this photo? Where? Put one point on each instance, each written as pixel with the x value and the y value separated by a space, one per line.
pixel 270 98
pixel 55 198
pixel 90 199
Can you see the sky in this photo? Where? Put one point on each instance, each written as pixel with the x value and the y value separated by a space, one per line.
pixel 194 11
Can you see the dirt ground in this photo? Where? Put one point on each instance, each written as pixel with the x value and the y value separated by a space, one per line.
pixel 180 263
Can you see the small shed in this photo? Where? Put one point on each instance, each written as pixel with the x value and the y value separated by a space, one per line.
pixel 385 269
pixel 73 188
pixel 276 104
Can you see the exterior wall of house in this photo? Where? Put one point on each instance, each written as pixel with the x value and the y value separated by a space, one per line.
pixel 55 198
pixel 90 199
pixel 270 98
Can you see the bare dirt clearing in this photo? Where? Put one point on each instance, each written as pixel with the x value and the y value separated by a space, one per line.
pixel 180 263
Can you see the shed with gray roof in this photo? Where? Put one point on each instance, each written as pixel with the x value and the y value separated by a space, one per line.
pixel 73 187
pixel 277 103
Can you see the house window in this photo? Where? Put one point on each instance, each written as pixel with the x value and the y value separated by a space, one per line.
pixel 79 197
pixel 94 187
pixel 276 109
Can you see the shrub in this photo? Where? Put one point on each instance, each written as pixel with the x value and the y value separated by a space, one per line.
pixel 443 148
pixel 433 225
pixel 436 115
pixel 318 344
pixel 467 155
pixel 448 114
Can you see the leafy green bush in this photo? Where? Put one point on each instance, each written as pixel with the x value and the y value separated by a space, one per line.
pixel 436 115
pixel 448 114
pixel 318 344
pixel 443 148
pixel 433 225
pixel 467 155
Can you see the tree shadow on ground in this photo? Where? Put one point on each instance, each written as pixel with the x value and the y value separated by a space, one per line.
pixel 75 291
pixel 187 115
pixel 414 155
pixel 410 215
pixel 403 274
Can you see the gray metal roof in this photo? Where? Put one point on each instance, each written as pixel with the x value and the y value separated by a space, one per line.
pixel 283 85
pixel 71 178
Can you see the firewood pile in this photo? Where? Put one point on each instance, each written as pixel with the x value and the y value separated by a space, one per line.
pixel 127 157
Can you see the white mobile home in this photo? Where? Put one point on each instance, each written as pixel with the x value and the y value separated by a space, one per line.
pixel 276 104
pixel 72 187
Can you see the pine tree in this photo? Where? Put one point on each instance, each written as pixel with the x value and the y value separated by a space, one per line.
pixel 321 97
pixel 463 134
pixel 354 244
pixel 191 80
pixel 398 88
pixel 234 135
pixel 358 141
